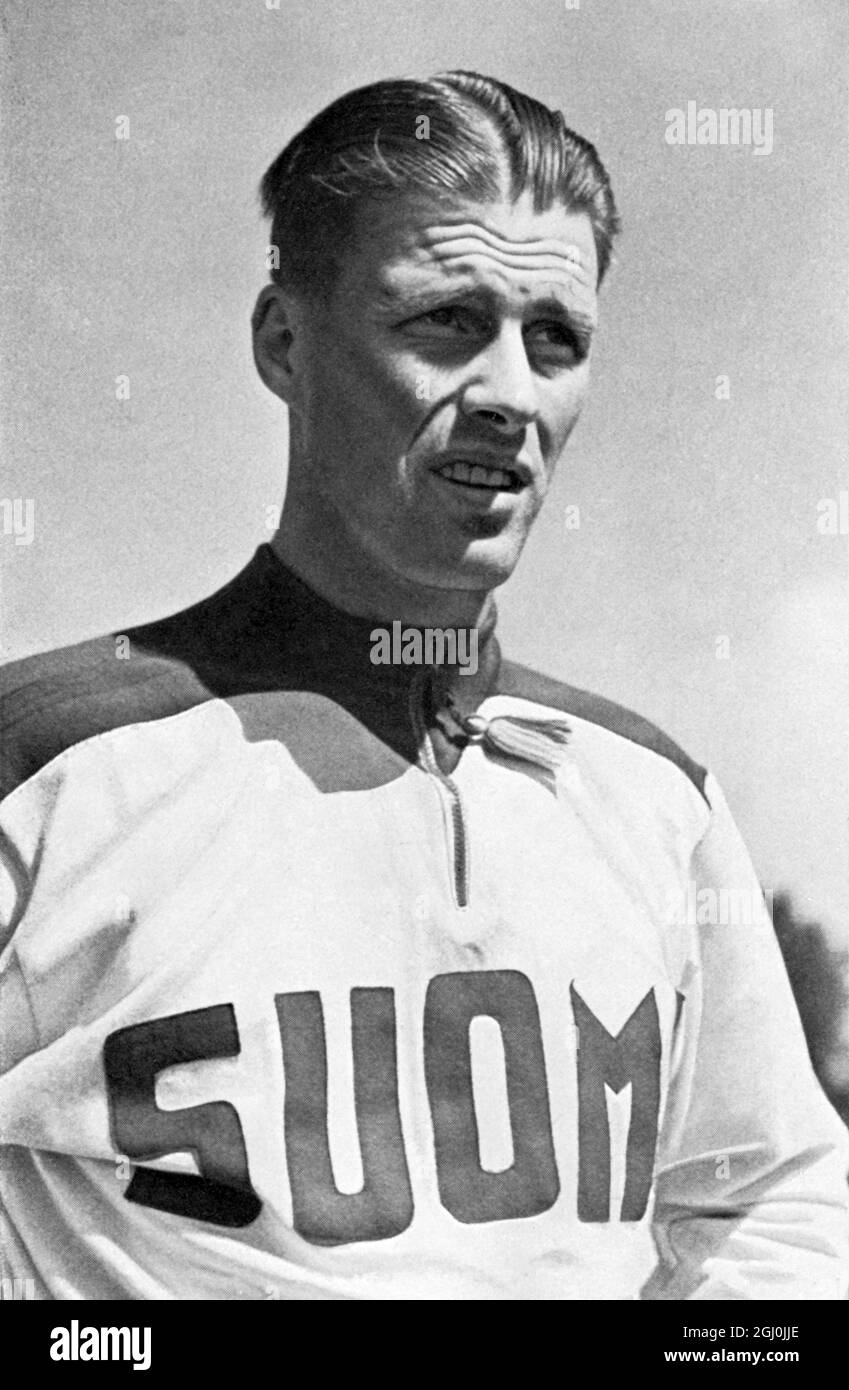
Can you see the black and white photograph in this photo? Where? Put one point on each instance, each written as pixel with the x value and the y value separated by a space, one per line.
pixel 424 661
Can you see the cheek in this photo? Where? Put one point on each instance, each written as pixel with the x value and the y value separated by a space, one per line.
pixel 376 391
pixel 561 411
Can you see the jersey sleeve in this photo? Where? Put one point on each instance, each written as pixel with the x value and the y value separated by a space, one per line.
pixel 751 1192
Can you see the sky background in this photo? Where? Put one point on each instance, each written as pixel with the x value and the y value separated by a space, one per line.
pixel 698 516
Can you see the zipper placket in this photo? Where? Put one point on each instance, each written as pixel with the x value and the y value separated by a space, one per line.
pixel 458 849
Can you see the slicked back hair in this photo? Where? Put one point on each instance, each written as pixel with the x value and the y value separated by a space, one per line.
pixel 457 134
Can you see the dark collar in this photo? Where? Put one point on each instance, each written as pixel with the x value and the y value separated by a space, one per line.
pixel 269 631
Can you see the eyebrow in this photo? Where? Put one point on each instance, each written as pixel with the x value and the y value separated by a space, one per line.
pixel 420 300
pixel 579 320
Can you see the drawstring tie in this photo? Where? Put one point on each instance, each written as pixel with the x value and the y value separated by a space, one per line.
pixel 537 741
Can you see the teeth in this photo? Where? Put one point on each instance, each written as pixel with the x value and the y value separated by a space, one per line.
pixel 476 475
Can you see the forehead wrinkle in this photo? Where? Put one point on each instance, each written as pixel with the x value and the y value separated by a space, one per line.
pixel 564 290
pixel 459 256
pixel 441 237
pixel 566 272
pixel 518 261
pixel 475 251
pixel 418 273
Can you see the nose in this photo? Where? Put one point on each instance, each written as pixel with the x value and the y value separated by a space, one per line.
pixel 503 391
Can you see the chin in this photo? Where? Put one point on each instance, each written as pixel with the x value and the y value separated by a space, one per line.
pixel 485 565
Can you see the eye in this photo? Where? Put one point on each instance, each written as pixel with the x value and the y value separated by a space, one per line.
pixel 557 341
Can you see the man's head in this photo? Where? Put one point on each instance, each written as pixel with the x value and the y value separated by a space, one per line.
pixel 440 248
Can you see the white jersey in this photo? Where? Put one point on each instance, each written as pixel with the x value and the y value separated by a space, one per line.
pixel 300 1001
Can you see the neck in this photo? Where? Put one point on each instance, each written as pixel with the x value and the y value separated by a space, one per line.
pixel 334 567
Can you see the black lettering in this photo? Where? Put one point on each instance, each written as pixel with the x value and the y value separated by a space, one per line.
pixel 470 1193
pixel 212 1133
pixel 384 1207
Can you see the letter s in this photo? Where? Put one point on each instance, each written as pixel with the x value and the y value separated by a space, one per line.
pixel 212 1133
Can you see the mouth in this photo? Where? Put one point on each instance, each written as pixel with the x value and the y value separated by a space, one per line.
pixel 484 477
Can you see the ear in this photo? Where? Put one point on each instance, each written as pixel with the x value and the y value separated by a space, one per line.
pixel 273 322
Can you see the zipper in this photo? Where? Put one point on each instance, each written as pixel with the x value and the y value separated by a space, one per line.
pixel 458 847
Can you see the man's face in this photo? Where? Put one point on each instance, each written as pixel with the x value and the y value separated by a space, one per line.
pixel 435 392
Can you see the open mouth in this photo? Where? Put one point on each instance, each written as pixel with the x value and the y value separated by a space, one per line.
pixel 484 476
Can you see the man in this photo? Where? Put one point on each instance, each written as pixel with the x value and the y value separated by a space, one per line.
pixel 329 975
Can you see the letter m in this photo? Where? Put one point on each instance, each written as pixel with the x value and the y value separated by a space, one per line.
pixel 735 907
pixel 441 646
pixel 115 1344
pixel 632 1058
pixel 730 121
pixel 17 1288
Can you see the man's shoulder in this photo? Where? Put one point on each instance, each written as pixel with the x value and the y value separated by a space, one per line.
pixel 523 683
pixel 57 699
